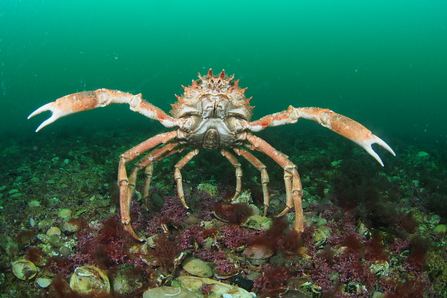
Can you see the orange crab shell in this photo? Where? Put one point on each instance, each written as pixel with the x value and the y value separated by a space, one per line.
pixel 212 86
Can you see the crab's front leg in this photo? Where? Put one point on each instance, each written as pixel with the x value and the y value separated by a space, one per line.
pixel 342 125
pixel 87 100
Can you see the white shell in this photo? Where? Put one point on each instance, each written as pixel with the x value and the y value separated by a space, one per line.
pixel 89 279
pixel 24 269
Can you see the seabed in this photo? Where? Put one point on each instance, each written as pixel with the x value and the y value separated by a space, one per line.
pixel 370 231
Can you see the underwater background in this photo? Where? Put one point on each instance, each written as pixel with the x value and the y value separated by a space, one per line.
pixel 382 63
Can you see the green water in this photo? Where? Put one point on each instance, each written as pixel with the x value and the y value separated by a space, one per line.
pixel 382 63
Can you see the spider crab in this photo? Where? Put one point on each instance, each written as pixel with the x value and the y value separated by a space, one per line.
pixel 212 113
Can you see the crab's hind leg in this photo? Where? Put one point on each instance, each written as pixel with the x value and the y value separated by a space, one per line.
pixel 178 174
pixel 238 171
pixel 87 100
pixel 148 162
pixel 294 190
pixel 262 169
pixel 124 181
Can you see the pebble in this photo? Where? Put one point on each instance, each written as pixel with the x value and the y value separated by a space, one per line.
pixel 54 231
pixel 69 227
pixel 44 282
pixel 13 191
pixel 218 289
pixel 33 204
pixel 209 189
pixel 64 213
pixel 168 292
pixel 258 252
pixel 197 267
pixel 440 229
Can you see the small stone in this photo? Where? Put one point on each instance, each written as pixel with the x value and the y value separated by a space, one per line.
pixel 258 222
pixel 422 154
pixel 44 282
pixel 65 251
pixel 54 231
pixel 45 223
pixel 197 267
pixel 157 200
pixel 440 229
pixel 33 204
pixel 380 268
pixel 69 227
pixel 218 289
pixel 258 252
pixel 320 235
pixel 244 197
pixel 64 213
pixel 169 292
pixel 209 189
pixel 35 179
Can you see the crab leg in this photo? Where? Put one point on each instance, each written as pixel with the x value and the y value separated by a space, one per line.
pixel 123 180
pixel 340 124
pixel 87 100
pixel 238 173
pixel 148 161
pixel 178 175
pixel 264 175
pixel 294 190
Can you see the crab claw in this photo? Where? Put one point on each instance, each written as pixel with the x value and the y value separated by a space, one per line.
pixel 373 139
pixel 56 113
pixel 354 131
pixel 342 125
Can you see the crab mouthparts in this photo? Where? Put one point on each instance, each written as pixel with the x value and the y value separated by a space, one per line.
pixel 211 139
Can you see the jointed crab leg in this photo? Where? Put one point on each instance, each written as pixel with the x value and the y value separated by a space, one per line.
pixel 294 190
pixel 264 175
pixel 87 100
pixel 148 163
pixel 123 181
pixel 238 173
pixel 342 125
pixel 178 175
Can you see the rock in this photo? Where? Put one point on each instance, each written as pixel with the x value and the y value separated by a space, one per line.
pixel 64 213
pixel 440 229
pixel 54 231
pixel 197 267
pixel 44 282
pixel 34 204
pixel 244 197
pixel 217 289
pixel 89 279
pixel 163 292
pixel 157 200
pixel 209 189
pixel 70 226
pixel 422 154
pixel 320 235
pixel 380 268
pixel 24 269
pixel 45 223
pixel 258 222
pixel 258 251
